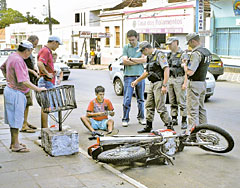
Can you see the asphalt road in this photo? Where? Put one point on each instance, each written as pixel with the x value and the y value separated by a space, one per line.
pixel 193 167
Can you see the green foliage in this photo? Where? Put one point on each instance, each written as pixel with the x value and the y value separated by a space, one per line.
pixel 10 16
pixel 46 21
pixel 32 19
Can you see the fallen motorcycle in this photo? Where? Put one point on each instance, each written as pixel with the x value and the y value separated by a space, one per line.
pixel 160 145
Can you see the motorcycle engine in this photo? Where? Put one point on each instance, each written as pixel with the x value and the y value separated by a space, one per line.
pixel 170 147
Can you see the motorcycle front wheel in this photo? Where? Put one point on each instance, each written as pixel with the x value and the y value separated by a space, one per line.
pixel 122 155
pixel 222 141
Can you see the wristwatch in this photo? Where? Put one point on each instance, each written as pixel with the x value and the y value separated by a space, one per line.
pixel 164 85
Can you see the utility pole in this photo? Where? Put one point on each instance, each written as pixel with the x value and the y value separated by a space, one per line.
pixel 50 19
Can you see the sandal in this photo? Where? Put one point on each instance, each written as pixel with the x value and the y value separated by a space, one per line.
pixel 21 150
pixel 31 126
pixel 21 144
pixel 27 130
pixel 113 132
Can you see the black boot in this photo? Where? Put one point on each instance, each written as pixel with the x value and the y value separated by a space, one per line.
pixel 184 122
pixel 174 120
pixel 146 129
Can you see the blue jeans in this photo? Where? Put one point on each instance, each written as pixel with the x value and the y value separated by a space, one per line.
pixel 44 83
pixel 48 85
pixel 127 98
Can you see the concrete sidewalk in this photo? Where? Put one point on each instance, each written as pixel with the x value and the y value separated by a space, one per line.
pixel 37 169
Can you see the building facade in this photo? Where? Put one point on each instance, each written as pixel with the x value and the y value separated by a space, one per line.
pixel 225 28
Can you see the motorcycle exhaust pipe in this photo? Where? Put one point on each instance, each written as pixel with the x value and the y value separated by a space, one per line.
pixel 197 143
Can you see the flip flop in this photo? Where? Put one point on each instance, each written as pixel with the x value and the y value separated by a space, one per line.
pixel 31 126
pixel 113 132
pixel 27 130
pixel 21 144
pixel 21 150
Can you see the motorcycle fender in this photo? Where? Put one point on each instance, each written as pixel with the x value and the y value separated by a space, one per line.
pixel 94 150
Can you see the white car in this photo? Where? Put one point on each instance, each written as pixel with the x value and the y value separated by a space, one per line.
pixel 72 60
pixel 116 76
pixel 3 82
pixel 64 68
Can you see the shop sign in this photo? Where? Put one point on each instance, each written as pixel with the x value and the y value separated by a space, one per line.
pixel 100 35
pixel 200 15
pixel 84 34
pixel 95 35
pixel 238 22
pixel 236 7
pixel 104 35
pixel 171 24
pixel 205 33
pixel 13 39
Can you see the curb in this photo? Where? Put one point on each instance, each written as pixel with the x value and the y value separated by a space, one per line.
pixel 116 172
pixel 107 167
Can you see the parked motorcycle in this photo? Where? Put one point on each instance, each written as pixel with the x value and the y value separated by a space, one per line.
pixel 160 145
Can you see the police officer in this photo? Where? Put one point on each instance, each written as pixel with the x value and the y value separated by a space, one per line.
pixel 177 82
pixel 157 71
pixel 196 69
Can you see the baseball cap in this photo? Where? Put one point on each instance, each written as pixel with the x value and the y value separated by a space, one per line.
pixel 26 44
pixel 55 38
pixel 191 36
pixel 171 39
pixel 143 45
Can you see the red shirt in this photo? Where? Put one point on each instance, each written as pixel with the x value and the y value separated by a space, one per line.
pixel 94 106
pixel 16 72
pixel 45 56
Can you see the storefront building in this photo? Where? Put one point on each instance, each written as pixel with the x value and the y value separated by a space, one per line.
pixel 156 25
pixel 225 23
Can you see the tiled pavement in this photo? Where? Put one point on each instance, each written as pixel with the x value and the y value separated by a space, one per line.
pixel 230 76
pixel 37 169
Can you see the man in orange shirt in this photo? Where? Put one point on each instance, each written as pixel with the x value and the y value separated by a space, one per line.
pixel 97 114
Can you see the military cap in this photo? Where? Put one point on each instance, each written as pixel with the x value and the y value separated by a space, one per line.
pixel 190 36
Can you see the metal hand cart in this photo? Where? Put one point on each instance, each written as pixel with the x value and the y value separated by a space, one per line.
pixel 57 99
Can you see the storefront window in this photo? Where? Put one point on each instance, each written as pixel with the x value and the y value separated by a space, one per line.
pixel 227 41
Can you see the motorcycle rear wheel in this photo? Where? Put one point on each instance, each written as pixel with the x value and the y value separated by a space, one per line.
pixel 221 139
pixel 122 155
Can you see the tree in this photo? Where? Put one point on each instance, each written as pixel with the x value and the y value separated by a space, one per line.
pixel 54 21
pixel 32 19
pixel 10 16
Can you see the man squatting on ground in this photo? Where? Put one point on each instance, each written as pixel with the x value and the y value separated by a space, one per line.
pixel 97 114
pixel 133 68
pixel 18 84
pixel 196 70
pixel 177 83
pixel 157 72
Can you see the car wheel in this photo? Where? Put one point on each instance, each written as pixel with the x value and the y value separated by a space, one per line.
pixel 80 66
pixel 65 78
pixel 216 77
pixel 118 87
pixel 1 91
pixel 71 67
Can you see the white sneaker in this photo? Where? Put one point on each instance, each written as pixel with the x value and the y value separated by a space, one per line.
pixel 125 124
pixel 142 121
